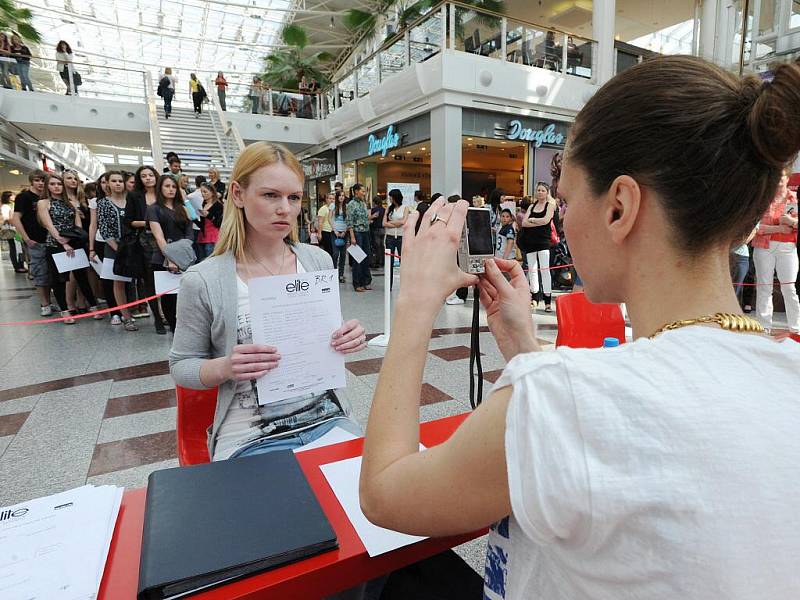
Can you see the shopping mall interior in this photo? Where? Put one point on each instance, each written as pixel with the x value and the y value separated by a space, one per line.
pixel 462 98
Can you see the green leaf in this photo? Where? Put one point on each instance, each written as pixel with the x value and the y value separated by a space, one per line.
pixel 360 20
pixel 295 35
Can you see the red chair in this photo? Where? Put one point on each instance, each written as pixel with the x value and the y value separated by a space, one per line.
pixel 195 415
pixel 582 324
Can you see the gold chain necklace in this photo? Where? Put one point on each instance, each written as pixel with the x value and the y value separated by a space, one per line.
pixel 727 321
pixel 283 260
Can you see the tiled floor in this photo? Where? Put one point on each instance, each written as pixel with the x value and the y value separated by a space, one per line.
pixel 92 403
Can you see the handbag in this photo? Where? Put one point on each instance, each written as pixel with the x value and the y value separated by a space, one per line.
pixel 339 242
pixel 77 236
pixel 554 238
pixel 129 261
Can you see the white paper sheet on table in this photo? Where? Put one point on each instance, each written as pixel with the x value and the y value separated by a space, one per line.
pixel 343 478
pixel 297 314
pixel 65 263
pixel 108 271
pixel 60 544
pixel 357 253
pixel 334 436
pixel 167 282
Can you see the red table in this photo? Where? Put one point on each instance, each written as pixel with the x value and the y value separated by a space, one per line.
pixel 311 578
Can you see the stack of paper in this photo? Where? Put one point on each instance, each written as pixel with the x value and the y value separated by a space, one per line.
pixel 56 547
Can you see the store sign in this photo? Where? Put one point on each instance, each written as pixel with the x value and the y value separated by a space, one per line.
pixel 322 165
pixel 383 144
pixel 548 135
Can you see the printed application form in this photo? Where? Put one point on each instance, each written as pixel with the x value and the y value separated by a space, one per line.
pixel 297 314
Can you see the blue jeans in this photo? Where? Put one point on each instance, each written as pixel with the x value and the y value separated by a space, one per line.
pixel 301 438
pixel 393 244
pixel 205 250
pixel 361 275
pixel 23 70
pixel 168 94
pixel 339 256
pixel 741 265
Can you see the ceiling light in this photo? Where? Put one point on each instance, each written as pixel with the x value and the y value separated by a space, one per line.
pixel 382 158
pixel 408 151
pixel 502 142
pixel 470 139
pixel 423 148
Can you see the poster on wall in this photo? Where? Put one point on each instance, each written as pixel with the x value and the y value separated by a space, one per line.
pixel 407 189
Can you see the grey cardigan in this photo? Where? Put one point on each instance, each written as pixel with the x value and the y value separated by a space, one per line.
pixel 207 307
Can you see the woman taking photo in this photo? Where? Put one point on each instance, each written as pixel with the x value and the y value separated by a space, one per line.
pixel 659 449
pixel 142 197
pixel 210 222
pixel 169 222
pixel 338 217
pixel 213 344
pixel 535 242
pixel 58 217
pixel 775 252
pixel 110 218
pixel 394 219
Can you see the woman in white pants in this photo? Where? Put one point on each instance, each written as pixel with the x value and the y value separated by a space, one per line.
pixel 775 252
pixel 537 244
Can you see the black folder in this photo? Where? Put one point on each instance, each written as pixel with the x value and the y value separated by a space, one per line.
pixel 222 521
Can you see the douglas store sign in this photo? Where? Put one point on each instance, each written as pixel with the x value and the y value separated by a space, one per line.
pixel 385 143
pixel 547 135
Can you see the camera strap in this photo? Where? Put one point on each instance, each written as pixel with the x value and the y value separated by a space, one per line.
pixel 475 352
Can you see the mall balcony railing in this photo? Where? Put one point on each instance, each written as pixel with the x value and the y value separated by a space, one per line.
pixel 462 28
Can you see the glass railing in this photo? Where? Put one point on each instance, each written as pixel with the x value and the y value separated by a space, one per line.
pixel 462 28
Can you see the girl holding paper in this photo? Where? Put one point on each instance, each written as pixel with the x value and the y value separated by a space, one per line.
pixel 213 341
pixel 58 216
pixel 110 216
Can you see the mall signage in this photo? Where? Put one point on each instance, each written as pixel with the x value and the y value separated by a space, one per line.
pixel 546 135
pixel 383 144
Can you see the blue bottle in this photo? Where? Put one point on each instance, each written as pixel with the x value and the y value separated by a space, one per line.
pixel 610 342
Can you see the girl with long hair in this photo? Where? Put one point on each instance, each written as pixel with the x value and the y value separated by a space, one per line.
pixel 169 222
pixel 142 197
pixel 58 217
pixel 663 468
pixel 394 220
pixel 538 230
pixel 110 221
pixel 97 245
pixel 338 217
pixel 73 190
pixel 65 68
pixel 213 343
pixel 210 222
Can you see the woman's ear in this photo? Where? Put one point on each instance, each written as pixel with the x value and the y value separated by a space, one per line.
pixel 236 194
pixel 623 201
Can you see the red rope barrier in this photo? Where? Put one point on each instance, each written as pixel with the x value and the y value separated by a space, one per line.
pixel 88 314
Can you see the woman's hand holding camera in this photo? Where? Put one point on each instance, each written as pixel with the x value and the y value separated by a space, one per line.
pixel 428 267
pixel 507 305
pixel 251 361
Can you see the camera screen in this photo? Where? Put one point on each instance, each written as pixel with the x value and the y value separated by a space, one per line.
pixel 480 232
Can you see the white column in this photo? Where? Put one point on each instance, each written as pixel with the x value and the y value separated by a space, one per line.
pixel 708 29
pixel 603 28
pixel 446 150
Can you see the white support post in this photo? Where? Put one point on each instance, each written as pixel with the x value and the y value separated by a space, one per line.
pixel 383 339
pixel 452 27
pixel 503 38
pixel 564 53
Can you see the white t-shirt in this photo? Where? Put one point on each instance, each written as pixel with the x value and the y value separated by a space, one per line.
pixel 661 469
pixel 196 198
pixel 93 206
pixel 396 214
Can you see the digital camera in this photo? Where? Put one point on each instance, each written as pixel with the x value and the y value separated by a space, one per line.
pixel 477 243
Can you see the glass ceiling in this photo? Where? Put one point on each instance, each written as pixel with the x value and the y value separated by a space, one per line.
pixel 122 38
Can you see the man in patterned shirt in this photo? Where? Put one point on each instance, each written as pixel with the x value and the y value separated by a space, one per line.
pixel 358 226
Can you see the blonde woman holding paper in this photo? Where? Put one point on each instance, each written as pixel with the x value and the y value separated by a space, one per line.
pixel 213 340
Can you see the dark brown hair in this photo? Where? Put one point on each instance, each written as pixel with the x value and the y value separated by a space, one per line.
pixel 177 203
pixel 711 145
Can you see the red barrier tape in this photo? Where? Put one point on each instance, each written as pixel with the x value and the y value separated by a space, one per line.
pixel 88 314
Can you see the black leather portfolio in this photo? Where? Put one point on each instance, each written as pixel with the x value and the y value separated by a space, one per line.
pixel 222 521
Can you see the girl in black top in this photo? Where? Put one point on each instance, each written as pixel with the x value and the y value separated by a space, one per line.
pixel 58 216
pixel 169 222
pixel 23 55
pixel 144 195
pixel 537 244
pixel 74 194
